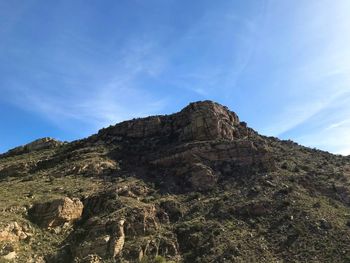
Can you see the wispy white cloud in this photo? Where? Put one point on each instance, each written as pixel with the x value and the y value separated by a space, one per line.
pixel 284 64
pixel 316 79
pixel 110 97
pixel 330 129
pixel 339 124
pixel 335 139
pixel 293 115
pixel 111 87
pixel 227 42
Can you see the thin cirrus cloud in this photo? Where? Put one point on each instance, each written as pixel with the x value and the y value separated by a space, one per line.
pixel 100 99
pixel 283 66
pixel 312 77
pixel 329 128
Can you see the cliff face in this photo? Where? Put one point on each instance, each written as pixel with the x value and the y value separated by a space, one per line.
pixel 191 148
pixel 194 186
pixel 199 121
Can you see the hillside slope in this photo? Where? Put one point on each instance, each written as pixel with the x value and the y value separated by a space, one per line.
pixel 194 186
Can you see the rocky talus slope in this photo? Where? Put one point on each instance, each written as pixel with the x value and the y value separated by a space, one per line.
pixel 194 186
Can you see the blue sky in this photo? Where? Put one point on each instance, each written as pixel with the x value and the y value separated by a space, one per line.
pixel 71 67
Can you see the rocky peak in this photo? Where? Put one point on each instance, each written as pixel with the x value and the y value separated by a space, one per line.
pixel 194 186
pixel 199 121
pixel 207 120
pixel 39 144
pixel 208 107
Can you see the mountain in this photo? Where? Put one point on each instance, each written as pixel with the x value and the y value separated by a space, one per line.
pixel 195 186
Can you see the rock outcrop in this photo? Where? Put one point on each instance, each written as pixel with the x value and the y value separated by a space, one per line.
pixel 13 232
pixel 193 147
pixel 106 240
pixel 198 121
pixel 94 167
pixel 11 236
pixel 37 145
pixel 118 240
pixel 194 186
pixel 57 212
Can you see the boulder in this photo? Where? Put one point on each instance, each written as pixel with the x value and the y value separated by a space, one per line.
pixel 13 232
pixel 57 212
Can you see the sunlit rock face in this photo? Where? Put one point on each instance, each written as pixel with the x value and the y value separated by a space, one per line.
pixel 194 147
pixel 57 212
pixel 198 121
pixel 37 145
pixel 194 186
